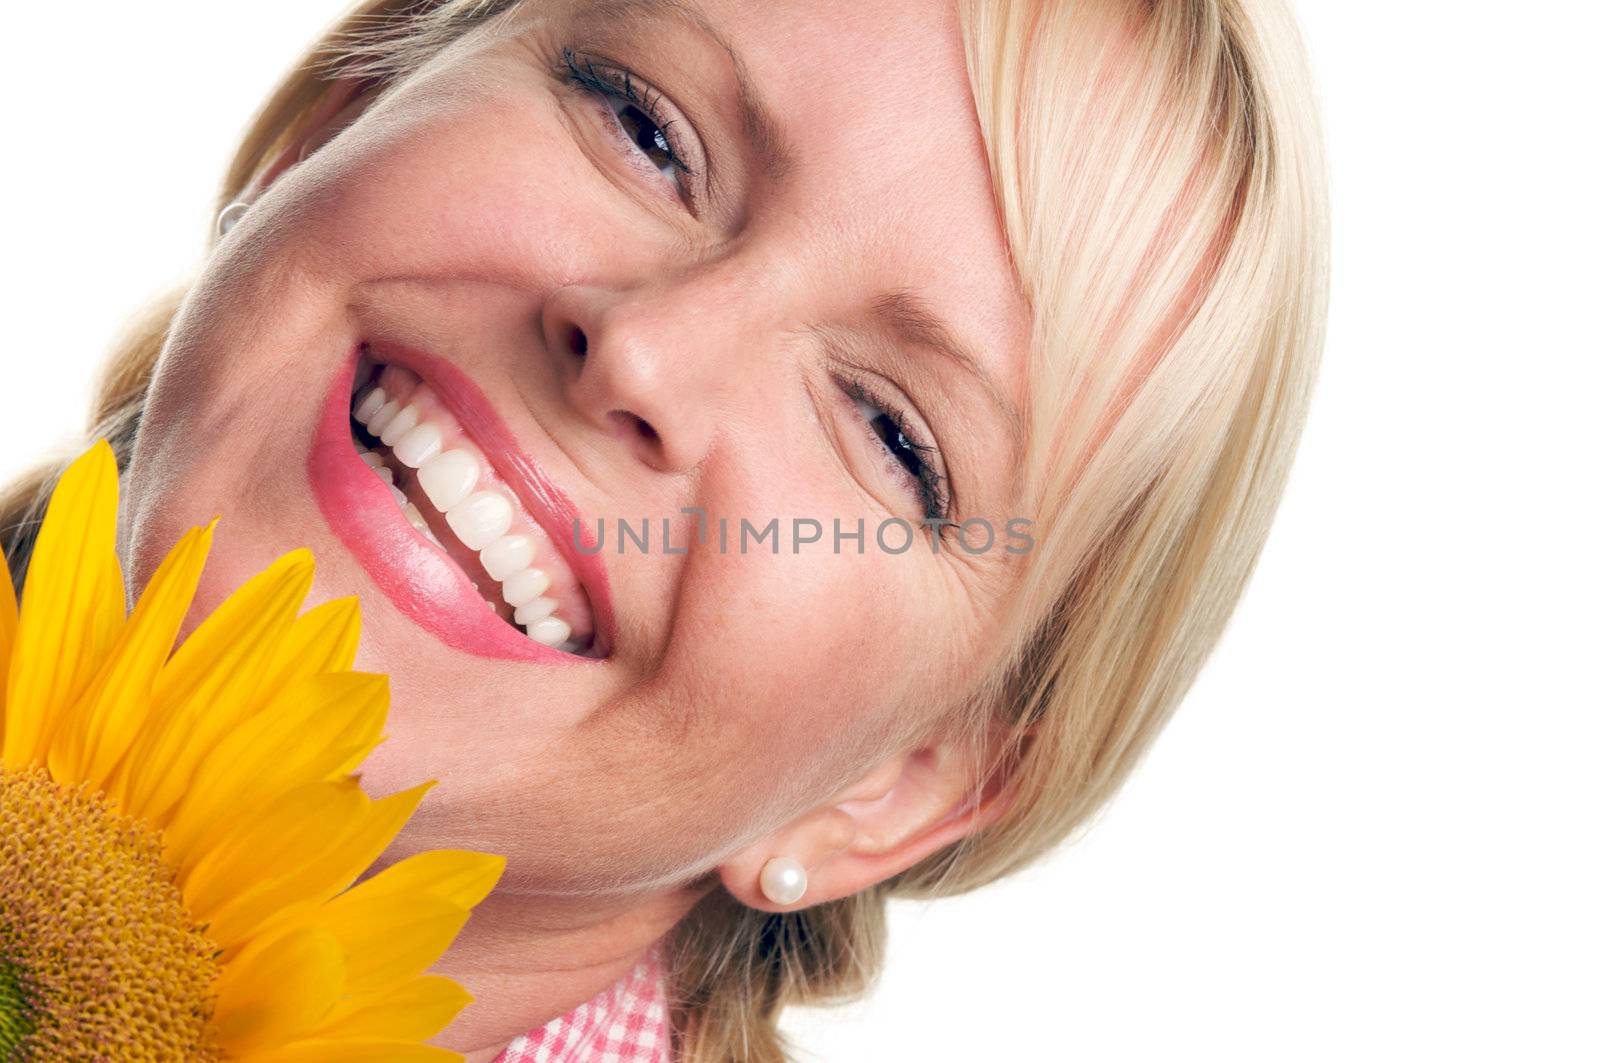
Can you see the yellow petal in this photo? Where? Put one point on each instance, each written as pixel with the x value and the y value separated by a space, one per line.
pixel 413 1011
pixel 321 1051
pixel 73 605
pixel 322 872
pixel 271 843
pixel 311 729
pixel 105 721
pixel 210 686
pixel 219 635
pixel 463 878
pixel 272 994
pixel 322 639
pixel 386 941
pixel 8 632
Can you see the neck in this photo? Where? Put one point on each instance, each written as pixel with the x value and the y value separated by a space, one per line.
pixel 527 959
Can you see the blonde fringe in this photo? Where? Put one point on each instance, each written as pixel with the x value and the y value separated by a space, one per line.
pixel 1157 167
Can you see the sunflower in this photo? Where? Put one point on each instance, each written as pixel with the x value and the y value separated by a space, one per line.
pixel 180 831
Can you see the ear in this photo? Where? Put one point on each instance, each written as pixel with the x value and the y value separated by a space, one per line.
pixel 905 809
pixel 341 105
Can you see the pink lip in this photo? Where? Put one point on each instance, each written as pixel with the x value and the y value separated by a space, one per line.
pixel 416 577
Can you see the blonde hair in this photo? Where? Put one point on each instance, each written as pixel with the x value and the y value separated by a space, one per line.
pixel 1157 168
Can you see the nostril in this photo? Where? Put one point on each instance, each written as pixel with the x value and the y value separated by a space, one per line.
pixel 578 342
pixel 630 423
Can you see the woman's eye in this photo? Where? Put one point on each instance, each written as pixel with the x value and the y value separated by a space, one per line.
pixel 892 436
pixel 890 430
pixel 638 114
pixel 647 136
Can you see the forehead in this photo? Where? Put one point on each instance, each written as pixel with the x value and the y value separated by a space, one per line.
pixel 874 97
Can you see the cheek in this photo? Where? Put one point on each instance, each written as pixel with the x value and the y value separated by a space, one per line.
pixel 447 189
pixel 432 185
pixel 813 652
pixel 804 656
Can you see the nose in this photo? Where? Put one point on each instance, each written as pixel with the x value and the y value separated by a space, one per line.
pixel 648 367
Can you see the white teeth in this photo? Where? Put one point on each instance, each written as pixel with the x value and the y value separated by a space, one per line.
pixel 419 444
pixel 531 613
pixel 507 556
pixel 448 478
pixel 552 631
pixel 479 519
pixel 415 519
pixel 400 424
pixel 381 419
pixel 525 586
pixel 369 403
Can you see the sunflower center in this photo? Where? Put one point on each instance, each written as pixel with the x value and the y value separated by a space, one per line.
pixel 14 1024
pixel 98 958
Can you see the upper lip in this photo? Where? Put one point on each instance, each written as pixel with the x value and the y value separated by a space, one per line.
pixel 540 497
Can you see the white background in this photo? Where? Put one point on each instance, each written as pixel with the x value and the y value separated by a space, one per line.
pixel 1370 832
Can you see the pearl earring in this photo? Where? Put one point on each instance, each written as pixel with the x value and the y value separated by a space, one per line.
pixel 230 215
pixel 783 880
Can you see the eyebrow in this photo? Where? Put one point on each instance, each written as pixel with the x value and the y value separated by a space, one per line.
pixel 772 147
pixel 907 317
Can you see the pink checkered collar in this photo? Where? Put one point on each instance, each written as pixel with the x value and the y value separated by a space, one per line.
pixel 626 1023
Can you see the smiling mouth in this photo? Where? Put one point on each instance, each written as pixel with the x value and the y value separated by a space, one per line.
pixel 444 484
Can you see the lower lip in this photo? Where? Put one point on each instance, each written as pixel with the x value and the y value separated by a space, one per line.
pixel 420 581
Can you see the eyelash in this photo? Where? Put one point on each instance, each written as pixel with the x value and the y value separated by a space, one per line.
pixel 931 490
pixel 582 72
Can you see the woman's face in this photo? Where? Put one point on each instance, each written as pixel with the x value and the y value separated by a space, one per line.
pixel 720 294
